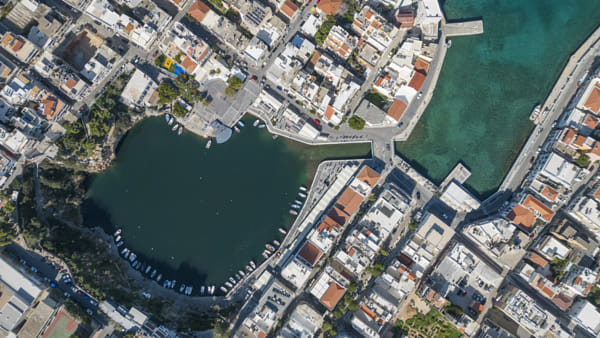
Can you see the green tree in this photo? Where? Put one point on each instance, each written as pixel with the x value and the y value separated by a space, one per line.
pixel 8 207
pixel 353 305
pixel 234 16
pixel 384 252
pixel 179 110
pixel 453 310
pixel 356 123
pixel 321 35
pixel 230 92
pixel 235 82
pixel 583 161
pixel 352 287
pixel 326 327
pixel 159 61
pixel 166 93
pixel 337 313
pixel 187 88
pixel 7 232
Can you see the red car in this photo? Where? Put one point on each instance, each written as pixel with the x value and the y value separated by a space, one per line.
pixel 254 78
pixel 317 122
pixel 155 54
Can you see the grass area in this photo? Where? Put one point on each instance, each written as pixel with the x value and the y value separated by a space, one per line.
pixel 432 324
pixel 377 99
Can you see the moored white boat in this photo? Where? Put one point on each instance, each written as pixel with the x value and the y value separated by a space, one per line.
pixel 282 230
pixel 241 124
pixel 256 122
pixel 252 264
pixel 208 144
pixel 232 280
pixel 167 118
pixel 175 127
pixel 242 273
pixel 301 194
pixel 265 255
pixel 119 244
pixel 148 269
pixel 276 242
pixel 237 130
pixel 153 273
pixel 295 206
pixel 180 131
pixel 118 238
pixel 229 285
pixel 302 188
pixel 262 125
pixel 181 287
pixel 249 268
pixel 118 232
pixel 202 290
pixel 223 289
pixel 171 121
pixel 159 277
pixel 299 202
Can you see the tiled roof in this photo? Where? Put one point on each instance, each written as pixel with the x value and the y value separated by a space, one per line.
pixel 597 194
pixel 397 109
pixel 328 224
pixel 421 66
pixel 333 295
pixel 198 10
pixel 417 81
pixel 189 64
pixel 521 216
pixel 310 253
pixel 533 203
pixel 338 215
pixel 593 101
pixel 289 8
pixel 549 193
pixel 329 112
pixel 349 201
pixel 538 260
pixel 329 7
pixel 70 83
pixel 569 136
pixel 369 176
pixel 591 121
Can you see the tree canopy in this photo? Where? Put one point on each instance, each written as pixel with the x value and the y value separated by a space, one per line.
pixel 356 123
pixel 179 110
pixel 321 35
pixel 166 93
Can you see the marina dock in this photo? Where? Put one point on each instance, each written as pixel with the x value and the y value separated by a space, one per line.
pixel 473 27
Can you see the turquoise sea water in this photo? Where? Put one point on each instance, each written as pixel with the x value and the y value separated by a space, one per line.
pixel 200 215
pixel 490 83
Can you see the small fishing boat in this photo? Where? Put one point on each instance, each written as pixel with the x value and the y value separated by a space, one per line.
pixel 132 257
pixel 237 277
pixel 301 194
pixel 148 269
pixel 175 127
pixel 166 284
pixel 212 290
pixel 124 251
pixel 119 244
pixel 229 285
pixel 293 212
pixel 189 290
pixel 262 125
pixel 181 287
pixel 118 232
pixel 173 282
pixel 232 280
pixel 237 130
pixel 269 247
pixel 242 273
pixel 118 238
pixel 126 255
pixel 295 206
pixel 208 144
pixel 180 131
pixel 223 289
pixel 252 264
pixel 256 122
pixel 134 264
pixel 241 124
pixel 202 290
pixel 298 202
pixel 265 255
pixel 153 273
pixel 302 188
pixel 248 268
pixel 159 277
pixel 171 121
pixel 276 242
pixel 535 113
pixel 167 118
pixel 282 230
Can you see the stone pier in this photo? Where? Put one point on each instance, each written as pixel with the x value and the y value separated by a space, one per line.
pixel 464 28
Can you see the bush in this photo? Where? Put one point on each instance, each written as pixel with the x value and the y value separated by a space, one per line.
pixel 321 35
pixel 376 269
pixel 179 110
pixel 356 123
pixel 352 287
pixel 235 82
pixel 234 16
pixel 377 98
pixel 583 161
pixel 453 310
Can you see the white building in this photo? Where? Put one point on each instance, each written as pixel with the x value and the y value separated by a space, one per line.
pixel 459 198
pixel 138 90
pixel 586 315
pixel 560 171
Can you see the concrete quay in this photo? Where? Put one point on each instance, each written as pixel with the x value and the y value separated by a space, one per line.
pixel 556 103
pixel 464 28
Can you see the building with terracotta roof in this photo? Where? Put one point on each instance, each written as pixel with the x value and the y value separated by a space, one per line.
pixel 328 290
pixel 329 7
pixel 50 106
pixel 198 10
pixel 288 9
pixel 396 110
pixel 349 201
pixel 416 82
pixel 368 176
pixel 590 100
pixel 522 217
pixel 540 209
pixel 422 65
pixel 189 65
pixel 404 19
pixel 538 260
pixel 310 253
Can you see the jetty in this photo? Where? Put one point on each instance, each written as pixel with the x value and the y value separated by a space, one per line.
pixel 473 27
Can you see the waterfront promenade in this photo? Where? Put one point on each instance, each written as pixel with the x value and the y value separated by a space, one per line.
pixel 556 103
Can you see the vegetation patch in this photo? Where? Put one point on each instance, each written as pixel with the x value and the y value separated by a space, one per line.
pixel 356 122
pixel 321 35
pixel 377 98
pixel 432 324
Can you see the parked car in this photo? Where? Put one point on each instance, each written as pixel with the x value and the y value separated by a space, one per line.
pixel 317 122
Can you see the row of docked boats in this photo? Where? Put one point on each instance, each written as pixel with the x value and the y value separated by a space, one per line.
pixel 297 205
pixel 170 120
pixel 232 281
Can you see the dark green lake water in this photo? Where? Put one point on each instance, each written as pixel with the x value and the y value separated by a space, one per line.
pixel 490 83
pixel 201 215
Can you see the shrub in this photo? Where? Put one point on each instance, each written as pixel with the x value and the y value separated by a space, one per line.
pixel 356 123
